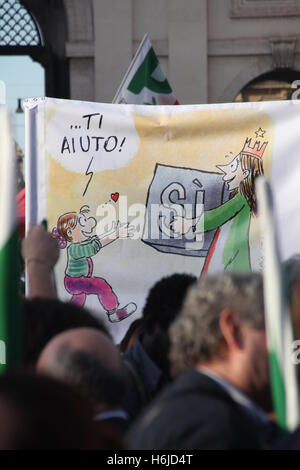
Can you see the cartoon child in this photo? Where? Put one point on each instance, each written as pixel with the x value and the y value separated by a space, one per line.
pixel 240 176
pixel 74 231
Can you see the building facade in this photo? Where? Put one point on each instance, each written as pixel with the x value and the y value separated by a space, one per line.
pixel 211 50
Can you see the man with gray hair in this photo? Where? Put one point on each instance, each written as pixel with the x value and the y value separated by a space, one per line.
pixel 219 353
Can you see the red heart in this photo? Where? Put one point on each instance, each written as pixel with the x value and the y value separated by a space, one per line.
pixel 115 196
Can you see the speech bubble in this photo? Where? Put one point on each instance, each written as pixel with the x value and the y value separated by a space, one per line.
pixel 91 136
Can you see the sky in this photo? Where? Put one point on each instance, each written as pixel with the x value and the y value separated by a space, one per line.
pixel 23 78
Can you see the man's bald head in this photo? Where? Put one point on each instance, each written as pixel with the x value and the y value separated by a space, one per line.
pixel 89 360
pixel 86 340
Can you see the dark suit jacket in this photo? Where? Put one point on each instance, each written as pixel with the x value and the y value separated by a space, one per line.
pixel 150 377
pixel 195 412
pixel 291 441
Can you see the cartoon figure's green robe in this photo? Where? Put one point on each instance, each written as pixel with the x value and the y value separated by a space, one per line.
pixel 236 251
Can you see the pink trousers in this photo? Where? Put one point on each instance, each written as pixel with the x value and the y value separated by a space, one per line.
pixel 82 286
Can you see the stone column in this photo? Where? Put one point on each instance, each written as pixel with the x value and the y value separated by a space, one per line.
pixel 187 30
pixel 113 45
pixel 80 49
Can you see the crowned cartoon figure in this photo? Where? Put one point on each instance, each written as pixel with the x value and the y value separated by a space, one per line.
pixel 74 231
pixel 231 245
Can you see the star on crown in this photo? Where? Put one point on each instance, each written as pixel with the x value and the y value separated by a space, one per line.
pixel 260 133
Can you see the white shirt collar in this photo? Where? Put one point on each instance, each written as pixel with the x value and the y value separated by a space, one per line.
pixel 111 414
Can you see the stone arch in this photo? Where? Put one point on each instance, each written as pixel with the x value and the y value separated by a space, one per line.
pixel 68 29
pixel 254 69
pixel 282 57
pixel 52 21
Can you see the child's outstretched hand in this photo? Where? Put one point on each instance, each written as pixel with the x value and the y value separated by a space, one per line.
pixel 125 230
pixel 117 230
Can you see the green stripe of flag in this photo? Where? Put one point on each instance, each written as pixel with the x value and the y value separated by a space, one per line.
pixel 145 81
pixel 278 389
pixel 143 76
pixel 10 319
pixel 279 327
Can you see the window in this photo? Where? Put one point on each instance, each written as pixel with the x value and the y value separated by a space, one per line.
pixel 264 8
pixel 17 26
pixel 21 74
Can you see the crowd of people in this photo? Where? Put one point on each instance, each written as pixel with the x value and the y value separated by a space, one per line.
pixel 191 373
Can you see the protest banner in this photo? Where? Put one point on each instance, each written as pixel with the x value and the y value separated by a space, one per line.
pixel 180 176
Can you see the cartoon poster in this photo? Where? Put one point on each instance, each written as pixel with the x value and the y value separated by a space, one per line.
pixel 135 193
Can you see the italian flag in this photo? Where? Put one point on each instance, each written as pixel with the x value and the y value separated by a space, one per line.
pixel 10 319
pixel 278 319
pixel 145 81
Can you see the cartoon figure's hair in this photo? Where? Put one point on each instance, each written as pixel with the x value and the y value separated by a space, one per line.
pixel 84 209
pixel 247 186
pixel 66 221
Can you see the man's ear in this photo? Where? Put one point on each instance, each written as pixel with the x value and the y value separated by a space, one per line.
pixel 246 173
pixel 231 328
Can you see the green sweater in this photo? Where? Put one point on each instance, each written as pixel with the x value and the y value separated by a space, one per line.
pixel 236 251
pixel 78 254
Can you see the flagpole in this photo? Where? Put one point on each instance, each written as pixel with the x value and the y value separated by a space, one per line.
pixel 145 38
pixel 31 200
pixel 278 318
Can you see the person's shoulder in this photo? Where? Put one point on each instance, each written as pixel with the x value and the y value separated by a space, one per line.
pixel 194 412
pixel 191 411
pixel 196 391
pixel 191 423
